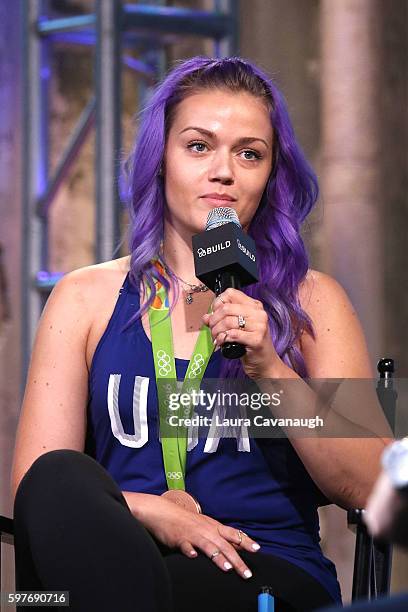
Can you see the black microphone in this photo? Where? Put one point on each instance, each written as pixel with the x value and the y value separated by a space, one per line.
pixel 224 256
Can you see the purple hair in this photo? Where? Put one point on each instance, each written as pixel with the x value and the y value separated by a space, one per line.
pixel 289 195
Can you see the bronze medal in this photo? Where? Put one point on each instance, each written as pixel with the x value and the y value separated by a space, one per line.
pixel 183 499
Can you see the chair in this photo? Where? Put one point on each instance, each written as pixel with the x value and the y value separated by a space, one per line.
pixel 372 559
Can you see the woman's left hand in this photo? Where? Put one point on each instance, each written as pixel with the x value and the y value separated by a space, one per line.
pixel 261 356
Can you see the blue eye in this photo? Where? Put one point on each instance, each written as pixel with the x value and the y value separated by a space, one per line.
pixel 254 153
pixel 197 144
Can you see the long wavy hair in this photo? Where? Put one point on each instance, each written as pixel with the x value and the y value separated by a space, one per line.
pixel 290 193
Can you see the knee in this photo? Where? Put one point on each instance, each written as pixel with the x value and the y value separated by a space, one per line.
pixel 55 461
pixel 48 468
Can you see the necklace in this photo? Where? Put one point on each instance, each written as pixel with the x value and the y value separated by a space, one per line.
pixel 192 288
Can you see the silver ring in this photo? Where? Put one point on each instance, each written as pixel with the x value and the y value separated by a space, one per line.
pixel 241 322
pixel 215 554
pixel 221 299
pixel 240 537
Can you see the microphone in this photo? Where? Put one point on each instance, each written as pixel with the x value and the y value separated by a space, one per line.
pixel 224 256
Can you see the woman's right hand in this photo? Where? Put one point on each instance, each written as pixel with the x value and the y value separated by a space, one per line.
pixel 188 531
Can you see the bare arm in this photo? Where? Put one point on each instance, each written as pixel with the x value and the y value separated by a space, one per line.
pixel 53 414
pixel 344 468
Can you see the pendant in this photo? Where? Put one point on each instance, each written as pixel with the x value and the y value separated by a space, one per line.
pixel 183 499
pixel 189 298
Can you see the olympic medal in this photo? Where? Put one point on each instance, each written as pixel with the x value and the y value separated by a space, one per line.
pixel 183 499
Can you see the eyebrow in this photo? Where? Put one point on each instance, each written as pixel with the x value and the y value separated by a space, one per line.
pixel 241 141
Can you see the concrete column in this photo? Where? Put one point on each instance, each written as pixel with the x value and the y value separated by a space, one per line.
pixel 350 162
pixel 351 239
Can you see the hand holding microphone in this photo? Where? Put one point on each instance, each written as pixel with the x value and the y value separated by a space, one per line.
pixel 224 257
pixel 260 353
pixel 225 260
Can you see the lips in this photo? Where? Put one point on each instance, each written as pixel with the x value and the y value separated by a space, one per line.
pixel 220 197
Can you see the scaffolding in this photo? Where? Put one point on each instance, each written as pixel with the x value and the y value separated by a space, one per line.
pixel 112 28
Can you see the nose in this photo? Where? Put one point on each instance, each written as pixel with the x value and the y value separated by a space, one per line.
pixel 221 168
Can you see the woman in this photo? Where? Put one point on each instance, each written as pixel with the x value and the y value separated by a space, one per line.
pixel 215 133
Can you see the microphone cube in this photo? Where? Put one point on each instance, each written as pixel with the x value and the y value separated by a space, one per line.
pixel 225 249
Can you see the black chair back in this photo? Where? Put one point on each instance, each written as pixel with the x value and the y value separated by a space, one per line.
pixel 372 558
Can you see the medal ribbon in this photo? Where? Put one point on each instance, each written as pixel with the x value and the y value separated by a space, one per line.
pixel 174 448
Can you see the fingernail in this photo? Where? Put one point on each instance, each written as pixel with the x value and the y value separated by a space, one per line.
pixel 255 546
pixel 215 341
pixel 227 565
pixel 247 573
pixel 193 553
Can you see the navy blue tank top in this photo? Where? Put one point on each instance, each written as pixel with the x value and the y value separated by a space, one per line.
pixel 263 489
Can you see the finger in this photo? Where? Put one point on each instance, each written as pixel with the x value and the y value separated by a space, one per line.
pixel 226 556
pixel 231 322
pixel 238 538
pixel 257 317
pixel 188 549
pixel 249 339
pixel 231 310
pixel 221 338
pixel 215 554
pixel 209 317
pixel 234 296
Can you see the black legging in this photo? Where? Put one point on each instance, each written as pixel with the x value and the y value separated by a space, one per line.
pixel 74 532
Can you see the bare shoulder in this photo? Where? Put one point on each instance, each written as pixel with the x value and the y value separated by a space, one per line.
pixel 91 294
pixel 101 270
pixel 319 290
pixel 53 413
pixel 99 289
pixel 339 347
pixel 85 281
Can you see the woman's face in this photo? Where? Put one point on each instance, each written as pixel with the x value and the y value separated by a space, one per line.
pixel 219 144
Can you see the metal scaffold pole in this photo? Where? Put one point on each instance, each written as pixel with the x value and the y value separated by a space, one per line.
pixel 36 72
pixel 113 27
pixel 108 130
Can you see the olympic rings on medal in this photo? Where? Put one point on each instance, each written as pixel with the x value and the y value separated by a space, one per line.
pixel 163 360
